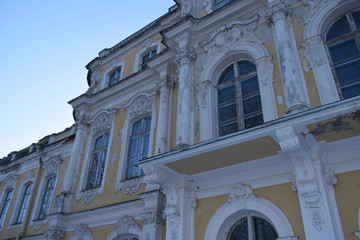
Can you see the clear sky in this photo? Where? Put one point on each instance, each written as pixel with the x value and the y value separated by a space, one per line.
pixel 44 46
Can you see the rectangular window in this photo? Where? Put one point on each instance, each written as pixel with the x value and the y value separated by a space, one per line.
pixel 147 57
pixel 47 198
pixel 97 165
pixel 115 76
pixel 24 204
pixel 5 205
pixel 138 146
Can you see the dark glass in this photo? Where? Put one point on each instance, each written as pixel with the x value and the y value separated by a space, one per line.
pixel 136 128
pixel 249 86
pixel 246 67
pixel 351 90
pixel 356 16
pixel 254 121
pixel 240 230
pixel 348 72
pixel 343 50
pixel 147 124
pixel 228 75
pixel 341 27
pixel 228 128
pixel 226 94
pixel 227 113
pixel 264 230
pixel 252 104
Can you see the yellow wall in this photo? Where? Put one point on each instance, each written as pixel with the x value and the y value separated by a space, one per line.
pixel 347 192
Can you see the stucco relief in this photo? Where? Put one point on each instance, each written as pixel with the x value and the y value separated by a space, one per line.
pixel 130 186
pixel 141 105
pixel 10 181
pixel 202 93
pixel 102 123
pixel 81 232
pixel 240 193
pixel 54 234
pixel 125 225
pixel 87 196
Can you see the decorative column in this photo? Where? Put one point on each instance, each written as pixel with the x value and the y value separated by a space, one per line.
pixel 291 71
pixel 163 120
pixel 63 200
pixel 315 208
pixel 203 93
pixel 184 58
pixel 316 55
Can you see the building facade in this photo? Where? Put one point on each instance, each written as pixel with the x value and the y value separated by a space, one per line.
pixel 222 119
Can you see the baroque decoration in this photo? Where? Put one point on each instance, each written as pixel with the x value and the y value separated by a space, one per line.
pixel 139 106
pixel 130 186
pixel 125 225
pixel 82 232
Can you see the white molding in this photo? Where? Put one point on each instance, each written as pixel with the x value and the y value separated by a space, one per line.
pixel 82 232
pixel 125 226
pixel 149 45
pixel 140 106
pixel 242 199
pixel 114 66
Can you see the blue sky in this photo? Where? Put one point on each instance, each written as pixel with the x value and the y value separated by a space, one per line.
pixel 44 46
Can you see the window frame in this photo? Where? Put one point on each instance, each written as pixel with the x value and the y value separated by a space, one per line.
pixel 353 34
pixel 151 54
pixel 140 135
pixel 45 190
pixel 239 99
pixel 20 200
pixel 118 71
pixel 149 45
pixel 4 209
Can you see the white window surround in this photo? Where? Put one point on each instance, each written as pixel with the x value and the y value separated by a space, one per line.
pixel 101 123
pixel 140 106
pixel 216 65
pixel 316 52
pixel 112 68
pixel 148 46
pixel 51 167
pixel 242 200
pixel 29 179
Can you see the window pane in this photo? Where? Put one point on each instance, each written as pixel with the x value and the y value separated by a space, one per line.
pixel 228 75
pixel 252 104
pixel 351 90
pixel 145 146
pixel 147 124
pixel 246 67
pixel 339 28
pixel 228 128
pixel 240 230
pixel 356 16
pixel 24 203
pixel 254 121
pixel 136 128
pixel 227 113
pixel 264 230
pixel 348 72
pixel 226 94
pixel 5 205
pixel 249 86
pixel 134 147
pixel 343 50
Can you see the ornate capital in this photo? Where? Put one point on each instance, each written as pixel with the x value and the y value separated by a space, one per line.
pixel 185 56
pixel 278 11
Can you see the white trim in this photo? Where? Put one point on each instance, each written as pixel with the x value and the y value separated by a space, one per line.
pixel 248 203
pixel 316 50
pixel 113 67
pixel 148 46
pixel 215 65
pixel 140 106
pixel 102 123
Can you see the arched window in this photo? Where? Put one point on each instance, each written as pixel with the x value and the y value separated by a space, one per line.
pixel 252 228
pixel 138 146
pixel 239 103
pixel 24 203
pixel 147 56
pixel 5 205
pixel 114 76
pixel 343 41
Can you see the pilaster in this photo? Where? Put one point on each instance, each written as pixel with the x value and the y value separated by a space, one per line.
pixel 290 67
